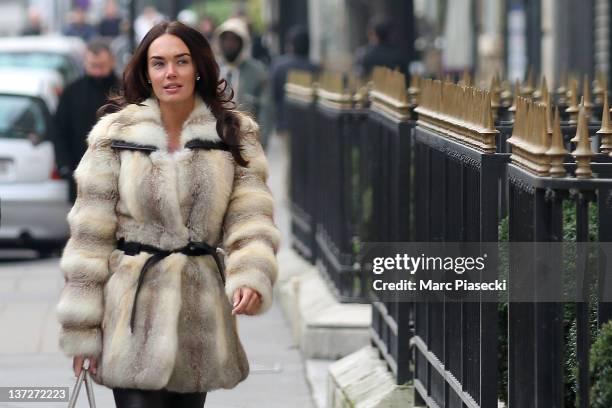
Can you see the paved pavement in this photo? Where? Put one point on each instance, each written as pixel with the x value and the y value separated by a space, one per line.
pixel 29 355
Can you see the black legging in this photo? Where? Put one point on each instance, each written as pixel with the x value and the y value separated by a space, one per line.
pixel 130 398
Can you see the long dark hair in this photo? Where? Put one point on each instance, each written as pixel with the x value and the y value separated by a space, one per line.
pixel 212 89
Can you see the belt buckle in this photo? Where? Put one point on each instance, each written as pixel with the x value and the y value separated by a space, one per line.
pixel 221 257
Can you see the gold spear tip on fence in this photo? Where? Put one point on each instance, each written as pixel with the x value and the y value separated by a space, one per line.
pixel 562 88
pixel 586 95
pixel 516 96
pixel 583 144
pixel 506 93
pixel 531 135
pixel 466 78
pixel 602 80
pixel 605 116
pixel 526 107
pixel 597 80
pixel 548 106
pixel 528 88
pixel 556 146
pixel 580 108
pixel 605 132
pixel 520 119
pixel 389 92
pixel 572 107
pixel 573 92
pixel 543 140
pixel 540 93
pixel 489 122
pixel 583 152
pixel 495 91
pixel 557 150
pixel 524 110
pixel 599 86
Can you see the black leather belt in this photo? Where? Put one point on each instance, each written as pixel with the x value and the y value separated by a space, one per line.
pixel 192 249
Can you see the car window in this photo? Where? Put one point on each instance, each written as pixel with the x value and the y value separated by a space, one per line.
pixel 22 118
pixel 57 62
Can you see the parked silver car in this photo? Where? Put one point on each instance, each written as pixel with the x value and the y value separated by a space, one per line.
pixel 34 200
pixel 62 54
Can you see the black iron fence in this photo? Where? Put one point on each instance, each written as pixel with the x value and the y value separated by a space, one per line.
pixel 386 188
pixel 337 205
pixel 458 189
pixel 549 342
pixel 379 175
pixel 300 113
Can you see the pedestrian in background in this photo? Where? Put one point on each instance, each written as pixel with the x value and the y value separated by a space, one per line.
pixel 110 24
pixel 78 104
pixel 208 25
pixel 298 47
pixel 188 17
pixel 246 76
pixel 146 20
pixel 259 50
pixel 78 25
pixel 34 24
pixel 378 51
pixel 171 174
pixel 121 46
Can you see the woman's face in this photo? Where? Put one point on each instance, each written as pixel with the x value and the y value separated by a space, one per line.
pixel 171 70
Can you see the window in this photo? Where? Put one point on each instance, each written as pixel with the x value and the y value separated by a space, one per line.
pixel 22 118
pixel 59 63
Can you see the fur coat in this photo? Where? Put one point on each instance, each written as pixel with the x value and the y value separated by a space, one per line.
pixel 185 336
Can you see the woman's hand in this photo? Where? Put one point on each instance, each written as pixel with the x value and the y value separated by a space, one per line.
pixel 246 301
pixel 77 365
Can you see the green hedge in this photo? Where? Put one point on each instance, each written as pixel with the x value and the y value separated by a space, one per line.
pixel 601 364
pixel 601 368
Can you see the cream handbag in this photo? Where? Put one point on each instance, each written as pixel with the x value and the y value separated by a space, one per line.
pixel 84 376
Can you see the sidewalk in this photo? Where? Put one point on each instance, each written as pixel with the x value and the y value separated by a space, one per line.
pixel 29 354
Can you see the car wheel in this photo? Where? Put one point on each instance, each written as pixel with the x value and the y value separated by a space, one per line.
pixel 49 251
pixel 45 253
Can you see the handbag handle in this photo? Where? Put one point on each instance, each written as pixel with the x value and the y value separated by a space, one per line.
pixel 83 376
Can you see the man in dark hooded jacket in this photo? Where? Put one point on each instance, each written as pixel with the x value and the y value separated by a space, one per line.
pixel 76 112
pixel 246 75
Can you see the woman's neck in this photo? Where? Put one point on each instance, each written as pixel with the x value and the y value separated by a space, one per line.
pixel 173 116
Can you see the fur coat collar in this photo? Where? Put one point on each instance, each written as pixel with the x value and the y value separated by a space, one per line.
pixel 141 124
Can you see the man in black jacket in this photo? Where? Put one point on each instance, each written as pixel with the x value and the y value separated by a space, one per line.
pixel 378 52
pixel 296 59
pixel 76 112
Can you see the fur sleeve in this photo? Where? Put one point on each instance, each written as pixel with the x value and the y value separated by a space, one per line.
pixel 84 262
pixel 251 238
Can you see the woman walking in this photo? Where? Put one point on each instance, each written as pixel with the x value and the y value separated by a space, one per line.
pixel 172 173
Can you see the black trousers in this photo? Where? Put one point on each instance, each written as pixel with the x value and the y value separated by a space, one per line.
pixel 131 398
